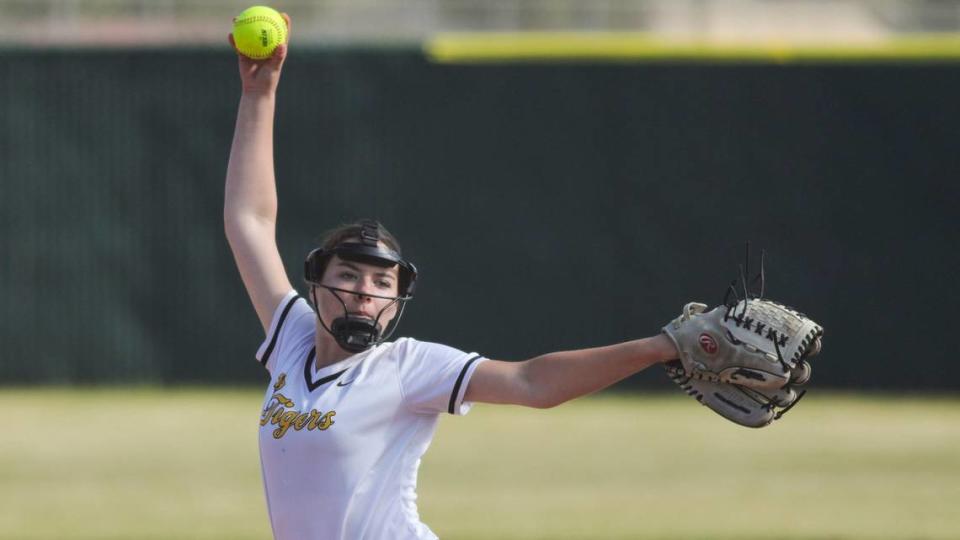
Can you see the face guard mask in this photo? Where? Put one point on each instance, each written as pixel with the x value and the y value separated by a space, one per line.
pixel 355 333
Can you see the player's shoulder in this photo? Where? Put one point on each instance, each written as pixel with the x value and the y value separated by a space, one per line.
pixel 300 315
pixel 291 330
pixel 292 307
pixel 408 346
pixel 411 353
pixel 299 306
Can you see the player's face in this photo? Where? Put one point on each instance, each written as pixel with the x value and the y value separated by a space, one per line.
pixel 366 282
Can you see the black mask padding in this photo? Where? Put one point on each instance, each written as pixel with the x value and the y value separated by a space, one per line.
pixel 355 334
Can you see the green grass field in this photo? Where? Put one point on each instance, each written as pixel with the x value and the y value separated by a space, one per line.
pixel 145 464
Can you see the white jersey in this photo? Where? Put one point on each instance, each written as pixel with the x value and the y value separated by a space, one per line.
pixel 340 448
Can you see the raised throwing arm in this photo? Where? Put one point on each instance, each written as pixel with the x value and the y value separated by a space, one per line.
pixel 250 199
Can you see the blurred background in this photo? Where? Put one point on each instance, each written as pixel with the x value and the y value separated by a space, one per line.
pixel 172 22
pixel 565 174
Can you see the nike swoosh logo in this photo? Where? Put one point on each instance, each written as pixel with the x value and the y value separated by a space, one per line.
pixel 344 383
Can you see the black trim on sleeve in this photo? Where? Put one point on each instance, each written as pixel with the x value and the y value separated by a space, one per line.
pixel 308 366
pixel 276 333
pixel 456 387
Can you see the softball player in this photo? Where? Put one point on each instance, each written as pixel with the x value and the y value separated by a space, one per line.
pixel 348 414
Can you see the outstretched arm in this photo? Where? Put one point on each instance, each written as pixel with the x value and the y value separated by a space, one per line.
pixel 250 200
pixel 554 378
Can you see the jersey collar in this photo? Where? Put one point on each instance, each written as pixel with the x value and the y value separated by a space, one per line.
pixel 308 372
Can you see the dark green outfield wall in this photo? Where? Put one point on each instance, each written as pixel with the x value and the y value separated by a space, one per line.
pixel 548 206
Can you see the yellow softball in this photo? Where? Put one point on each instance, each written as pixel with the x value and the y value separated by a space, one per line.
pixel 258 30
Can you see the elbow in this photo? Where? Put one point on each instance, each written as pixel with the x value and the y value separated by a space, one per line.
pixel 238 225
pixel 231 227
pixel 537 392
pixel 543 404
pixel 546 402
pixel 543 397
pixel 231 221
pixel 537 402
pixel 239 216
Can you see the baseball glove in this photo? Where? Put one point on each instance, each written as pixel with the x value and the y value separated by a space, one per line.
pixel 744 358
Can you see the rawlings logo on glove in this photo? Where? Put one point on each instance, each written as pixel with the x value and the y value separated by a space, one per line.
pixel 708 344
pixel 742 359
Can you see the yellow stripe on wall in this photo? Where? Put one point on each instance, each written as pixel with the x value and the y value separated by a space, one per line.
pixel 461 48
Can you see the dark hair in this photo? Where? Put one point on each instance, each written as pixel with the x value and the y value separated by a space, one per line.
pixel 351 231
